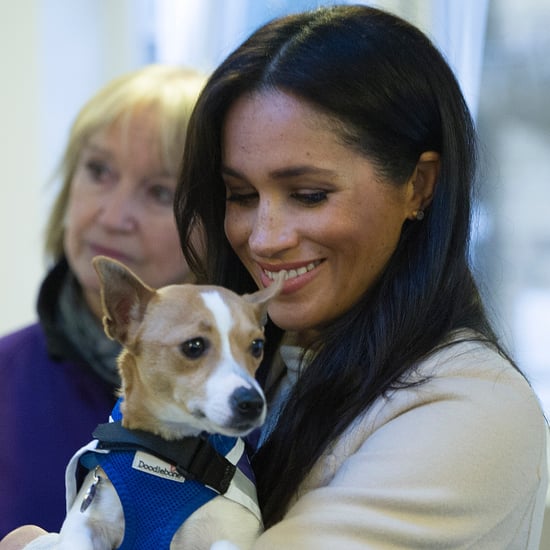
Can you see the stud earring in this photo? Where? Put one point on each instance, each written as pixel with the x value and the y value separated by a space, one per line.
pixel 418 214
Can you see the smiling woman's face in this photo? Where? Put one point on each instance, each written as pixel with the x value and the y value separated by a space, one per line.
pixel 299 199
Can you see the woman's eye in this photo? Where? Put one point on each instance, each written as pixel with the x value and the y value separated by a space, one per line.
pixel 249 198
pixel 310 198
pixel 99 171
pixel 242 198
pixel 162 194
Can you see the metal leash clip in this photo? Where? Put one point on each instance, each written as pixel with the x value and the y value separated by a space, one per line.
pixel 91 492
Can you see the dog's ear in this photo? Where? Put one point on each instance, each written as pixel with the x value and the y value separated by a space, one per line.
pixel 262 297
pixel 124 297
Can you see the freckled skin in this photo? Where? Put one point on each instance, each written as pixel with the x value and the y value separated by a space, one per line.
pixel 281 155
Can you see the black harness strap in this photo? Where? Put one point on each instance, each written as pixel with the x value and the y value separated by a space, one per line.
pixel 193 457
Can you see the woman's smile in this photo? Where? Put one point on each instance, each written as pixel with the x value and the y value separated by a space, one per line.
pixel 296 277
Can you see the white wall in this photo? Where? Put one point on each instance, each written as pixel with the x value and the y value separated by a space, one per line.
pixel 54 55
pixel 19 148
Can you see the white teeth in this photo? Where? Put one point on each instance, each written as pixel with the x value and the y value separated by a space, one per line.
pixel 292 273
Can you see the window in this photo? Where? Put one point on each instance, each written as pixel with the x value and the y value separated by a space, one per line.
pixel 513 251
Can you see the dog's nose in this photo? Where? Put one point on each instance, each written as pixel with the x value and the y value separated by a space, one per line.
pixel 247 403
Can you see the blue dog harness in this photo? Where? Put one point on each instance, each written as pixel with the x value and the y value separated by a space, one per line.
pixel 160 489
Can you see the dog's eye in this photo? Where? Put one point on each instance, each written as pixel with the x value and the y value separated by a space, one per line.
pixel 257 347
pixel 194 348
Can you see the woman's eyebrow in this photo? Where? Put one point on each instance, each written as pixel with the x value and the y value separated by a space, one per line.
pixel 300 170
pixel 283 173
pixel 226 171
pixel 96 148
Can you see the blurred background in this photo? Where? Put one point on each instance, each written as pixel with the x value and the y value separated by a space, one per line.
pixel 54 54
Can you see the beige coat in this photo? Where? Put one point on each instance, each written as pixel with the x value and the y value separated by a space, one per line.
pixel 456 462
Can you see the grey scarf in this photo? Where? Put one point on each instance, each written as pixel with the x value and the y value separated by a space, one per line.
pixel 85 332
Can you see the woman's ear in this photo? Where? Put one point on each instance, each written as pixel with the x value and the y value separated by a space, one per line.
pixel 422 183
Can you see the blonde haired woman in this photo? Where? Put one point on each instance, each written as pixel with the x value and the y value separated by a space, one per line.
pixel 59 375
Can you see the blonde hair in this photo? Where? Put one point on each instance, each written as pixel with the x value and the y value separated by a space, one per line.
pixel 169 92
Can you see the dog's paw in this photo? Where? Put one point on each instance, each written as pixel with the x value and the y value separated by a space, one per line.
pixel 223 545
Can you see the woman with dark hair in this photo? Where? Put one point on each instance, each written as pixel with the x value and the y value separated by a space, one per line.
pixel 336 144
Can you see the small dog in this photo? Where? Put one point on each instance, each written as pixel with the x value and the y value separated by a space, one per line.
pixel 189 357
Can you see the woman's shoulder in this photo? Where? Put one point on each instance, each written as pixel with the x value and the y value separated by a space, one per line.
pixel 21 339
pixel 464 393
pixel 463 349
pixel 469 373
pixel 23 351
pixel 468 366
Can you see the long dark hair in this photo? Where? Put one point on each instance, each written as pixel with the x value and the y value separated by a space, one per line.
pixel 394 97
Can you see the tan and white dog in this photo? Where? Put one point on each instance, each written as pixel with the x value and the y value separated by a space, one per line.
pixel 189 357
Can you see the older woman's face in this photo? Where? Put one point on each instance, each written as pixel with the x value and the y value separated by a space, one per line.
pixel 120 205
pixel 299 200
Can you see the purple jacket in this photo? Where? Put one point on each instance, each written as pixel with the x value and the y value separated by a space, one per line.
pixel 50 402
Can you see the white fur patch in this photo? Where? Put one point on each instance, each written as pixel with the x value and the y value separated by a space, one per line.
pixel 214 302
pixel 228 375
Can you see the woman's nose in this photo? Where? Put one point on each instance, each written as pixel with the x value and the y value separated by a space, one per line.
pixel 272 231
pixel 118 210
